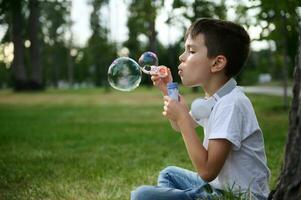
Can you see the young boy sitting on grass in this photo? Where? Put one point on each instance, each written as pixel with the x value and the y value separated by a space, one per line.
pixel 232 155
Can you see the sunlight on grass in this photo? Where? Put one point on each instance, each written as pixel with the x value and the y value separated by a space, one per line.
pixel 88 144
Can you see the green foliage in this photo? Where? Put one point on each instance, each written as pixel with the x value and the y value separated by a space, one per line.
pixel 286 20
pixel 209 9
pixel 100 52
pixel 54 20
pixel 56 63
pixel 88 144
pixel 280 24
pixel 256 65
pixel 141 25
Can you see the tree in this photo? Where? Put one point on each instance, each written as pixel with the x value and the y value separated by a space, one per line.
pixel 100 52
pixel 141 25
pixel 54 22
pixel 26 66
pixel 289 183
pixel 36 80
pixel 285 18
pixel 142 30
pixel 14 17
pixel 71 49
pixel 204 8
pixel 279 21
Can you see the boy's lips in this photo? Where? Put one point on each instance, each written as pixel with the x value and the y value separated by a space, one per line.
pixel 180 72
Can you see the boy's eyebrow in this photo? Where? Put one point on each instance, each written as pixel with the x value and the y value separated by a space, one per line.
pixel 191 46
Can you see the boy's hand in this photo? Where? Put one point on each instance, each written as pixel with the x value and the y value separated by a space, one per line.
pixel 176 110
pixel 161 83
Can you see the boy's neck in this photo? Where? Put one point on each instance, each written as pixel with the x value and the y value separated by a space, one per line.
pixel 214 84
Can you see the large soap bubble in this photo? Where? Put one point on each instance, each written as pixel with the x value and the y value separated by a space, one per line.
pixel 124 74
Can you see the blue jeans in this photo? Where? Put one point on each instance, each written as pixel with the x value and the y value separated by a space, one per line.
pixel 175 183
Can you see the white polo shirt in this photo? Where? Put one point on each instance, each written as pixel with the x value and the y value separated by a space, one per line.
pixel 245 169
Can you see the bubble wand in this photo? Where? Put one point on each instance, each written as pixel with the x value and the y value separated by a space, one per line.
pixel 148 62
pixel 124 73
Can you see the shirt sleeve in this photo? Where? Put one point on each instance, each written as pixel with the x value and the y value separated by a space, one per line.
pixel 227 123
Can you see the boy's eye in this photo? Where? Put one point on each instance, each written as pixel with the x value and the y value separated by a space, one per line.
pixel 188 50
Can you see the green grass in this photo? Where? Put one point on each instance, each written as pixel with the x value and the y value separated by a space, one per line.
pixel 88 144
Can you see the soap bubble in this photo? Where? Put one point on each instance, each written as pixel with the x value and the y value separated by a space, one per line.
pixel 147 61
pixel 124 74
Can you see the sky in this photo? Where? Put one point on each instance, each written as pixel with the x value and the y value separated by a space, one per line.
pixel 115 16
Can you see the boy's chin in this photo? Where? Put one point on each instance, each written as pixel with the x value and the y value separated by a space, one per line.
pixel 184 82
pixel 187 84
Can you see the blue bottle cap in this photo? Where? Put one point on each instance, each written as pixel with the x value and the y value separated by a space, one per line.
pixel 172 85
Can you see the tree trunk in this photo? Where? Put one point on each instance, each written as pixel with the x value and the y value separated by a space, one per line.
pixel 70 70
pixel 18 69
pixel 36 82
pixel 152 37
pixel 70 46
pixel 289 182
pixel 286 59
pixel 286 62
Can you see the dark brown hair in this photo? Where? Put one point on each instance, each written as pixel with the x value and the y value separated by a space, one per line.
pixel 223 38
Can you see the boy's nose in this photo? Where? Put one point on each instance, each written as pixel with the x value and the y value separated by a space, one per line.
pixel 181 57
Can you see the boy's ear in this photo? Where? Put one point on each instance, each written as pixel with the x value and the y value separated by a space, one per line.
pixel 219 63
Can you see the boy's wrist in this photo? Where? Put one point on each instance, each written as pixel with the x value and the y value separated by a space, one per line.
pixel 184 121
pixel 164 91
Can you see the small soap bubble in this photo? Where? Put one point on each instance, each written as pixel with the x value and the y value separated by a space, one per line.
pixel 148 59
pixel 124 74
pixel 148 62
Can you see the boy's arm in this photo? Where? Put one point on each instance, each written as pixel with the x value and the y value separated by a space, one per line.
pixel 175 126
pixel 161 83
pixel 208 163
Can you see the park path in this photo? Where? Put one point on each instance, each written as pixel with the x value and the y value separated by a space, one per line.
pixel 270 90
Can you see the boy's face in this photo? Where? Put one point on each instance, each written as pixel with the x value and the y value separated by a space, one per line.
pixel 195 67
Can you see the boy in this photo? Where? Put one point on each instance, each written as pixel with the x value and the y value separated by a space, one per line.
pixel 232 156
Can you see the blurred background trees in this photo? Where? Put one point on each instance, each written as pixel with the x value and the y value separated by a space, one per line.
pixel 38 49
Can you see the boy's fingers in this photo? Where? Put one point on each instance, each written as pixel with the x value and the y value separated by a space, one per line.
pixel 166 98
pixel 168 71
pixel 165 108
pixel 153 73
pixel 154 78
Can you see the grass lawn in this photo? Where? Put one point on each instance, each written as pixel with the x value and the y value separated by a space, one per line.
pixel 88 144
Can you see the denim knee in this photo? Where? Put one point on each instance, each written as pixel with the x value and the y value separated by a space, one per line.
pixel 143 192
pixel 169 170
pixel 164 176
